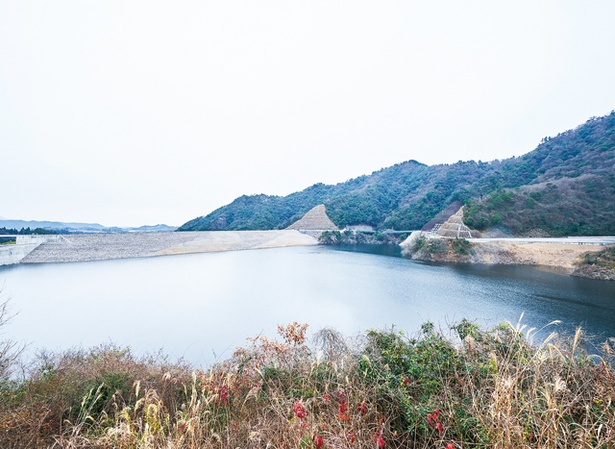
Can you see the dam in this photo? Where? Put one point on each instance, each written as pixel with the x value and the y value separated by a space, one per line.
pixel 16 247
pixel 91 247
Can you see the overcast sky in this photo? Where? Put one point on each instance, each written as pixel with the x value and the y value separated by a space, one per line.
pixel 144 112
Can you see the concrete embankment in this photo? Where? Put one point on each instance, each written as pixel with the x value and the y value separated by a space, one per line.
pixel 14 253
pixel 90 247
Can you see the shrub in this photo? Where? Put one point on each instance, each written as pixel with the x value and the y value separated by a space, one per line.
pixel 604 258
pixel 480 389
pixel 461 246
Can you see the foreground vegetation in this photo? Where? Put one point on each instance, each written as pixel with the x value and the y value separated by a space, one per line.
pixel 473 389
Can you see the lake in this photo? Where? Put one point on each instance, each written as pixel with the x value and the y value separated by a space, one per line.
pixel 202 306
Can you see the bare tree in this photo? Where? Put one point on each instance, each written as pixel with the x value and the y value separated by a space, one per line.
pixel 9 350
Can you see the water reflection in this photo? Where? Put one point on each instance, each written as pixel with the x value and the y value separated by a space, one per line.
pixel 202 306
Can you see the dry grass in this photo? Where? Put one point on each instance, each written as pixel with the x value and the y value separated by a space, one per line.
pixel 478 389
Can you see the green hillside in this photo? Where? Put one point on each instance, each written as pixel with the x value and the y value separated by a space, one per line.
pixel 261 212
pixel 566 186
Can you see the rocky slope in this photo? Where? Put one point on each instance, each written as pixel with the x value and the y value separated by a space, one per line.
pixel 315 220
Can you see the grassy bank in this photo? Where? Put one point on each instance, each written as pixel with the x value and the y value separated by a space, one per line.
pixel 598 265
pixel 472 389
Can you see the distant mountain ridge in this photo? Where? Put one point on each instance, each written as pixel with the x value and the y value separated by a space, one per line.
pixel 71 227
pixel 566 186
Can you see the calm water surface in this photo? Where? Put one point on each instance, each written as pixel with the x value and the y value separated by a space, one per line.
pixel 200 307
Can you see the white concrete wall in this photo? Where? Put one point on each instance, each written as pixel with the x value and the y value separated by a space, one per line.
pixel 38 239
pixel 12 254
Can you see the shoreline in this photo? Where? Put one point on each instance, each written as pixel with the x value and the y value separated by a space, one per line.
pixel 564 255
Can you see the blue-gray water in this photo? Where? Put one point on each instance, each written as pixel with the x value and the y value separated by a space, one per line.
pixel 202 306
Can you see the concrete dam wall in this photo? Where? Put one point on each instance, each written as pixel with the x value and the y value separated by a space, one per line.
pixel 90 247
pixel 13 253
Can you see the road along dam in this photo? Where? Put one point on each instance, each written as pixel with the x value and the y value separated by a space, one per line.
pixel 91 247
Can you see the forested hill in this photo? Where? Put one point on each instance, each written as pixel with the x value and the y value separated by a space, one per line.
pixel 565 186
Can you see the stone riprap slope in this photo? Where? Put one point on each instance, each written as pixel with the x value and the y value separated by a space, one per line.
pixel 315 220
pixel 90 247
pixel 454 227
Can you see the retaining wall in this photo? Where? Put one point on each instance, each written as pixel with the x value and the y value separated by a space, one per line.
pixel 12 254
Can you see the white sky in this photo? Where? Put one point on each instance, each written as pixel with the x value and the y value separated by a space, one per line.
pixel 144 112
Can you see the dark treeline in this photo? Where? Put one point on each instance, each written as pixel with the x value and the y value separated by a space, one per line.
pixel 26 231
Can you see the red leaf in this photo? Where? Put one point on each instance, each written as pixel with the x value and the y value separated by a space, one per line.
pixel 350 437
pixel 317 439
pixel 362 408
pixel 299 410
pixel 223 394
pixel 341 397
